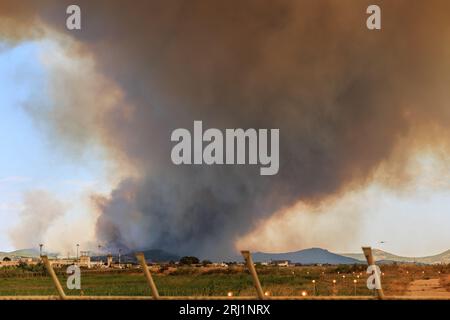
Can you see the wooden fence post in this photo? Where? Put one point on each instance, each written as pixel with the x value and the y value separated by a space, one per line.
pixel 52 273
pixel 141 258
pixel 371 262
pixel 248 259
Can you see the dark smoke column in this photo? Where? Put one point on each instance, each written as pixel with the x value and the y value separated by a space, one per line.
pixel 341 96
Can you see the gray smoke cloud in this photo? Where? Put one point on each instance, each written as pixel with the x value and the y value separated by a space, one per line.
pixel 40 211
pixel 342 96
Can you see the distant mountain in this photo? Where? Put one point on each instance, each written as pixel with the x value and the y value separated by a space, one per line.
pixel 307 256
pixel 24 253
pixel 381 255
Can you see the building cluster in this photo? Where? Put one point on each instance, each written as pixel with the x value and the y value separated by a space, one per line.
pixel 13 261
pixel 279 263
pixel 84 261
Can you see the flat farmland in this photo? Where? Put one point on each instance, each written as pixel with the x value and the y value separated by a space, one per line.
pixel 209 281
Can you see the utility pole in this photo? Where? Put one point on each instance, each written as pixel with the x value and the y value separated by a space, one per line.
pixel 40 249
pixel 99 252
pixel 78 246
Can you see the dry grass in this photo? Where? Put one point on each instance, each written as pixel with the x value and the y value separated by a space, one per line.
pixel 445 281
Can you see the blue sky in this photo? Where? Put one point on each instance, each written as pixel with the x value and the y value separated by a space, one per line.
pixel 27 160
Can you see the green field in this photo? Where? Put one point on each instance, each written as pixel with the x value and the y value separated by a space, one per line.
pixel 201 281
pixel 192 281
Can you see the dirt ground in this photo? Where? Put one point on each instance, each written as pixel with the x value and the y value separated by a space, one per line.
pixel 427 287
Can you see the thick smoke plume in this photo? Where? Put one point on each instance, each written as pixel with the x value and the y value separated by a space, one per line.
pixel 342 96
pixel 40 210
